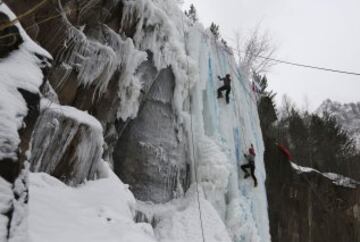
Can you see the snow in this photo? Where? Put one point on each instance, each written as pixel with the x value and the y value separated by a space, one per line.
pixel 19 223
pixel 100 210
pixel 179 220
pixel 71 113
pixel 13 107
pixel 337 179
pixel 103 210
pixel 6 198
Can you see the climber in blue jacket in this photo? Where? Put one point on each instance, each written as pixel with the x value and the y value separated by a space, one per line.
pixel 226 87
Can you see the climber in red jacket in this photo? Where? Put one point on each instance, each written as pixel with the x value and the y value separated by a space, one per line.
pixel 226 87
pixel 251 159
pixel 284 151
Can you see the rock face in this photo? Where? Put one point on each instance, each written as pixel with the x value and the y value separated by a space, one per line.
pixel 308 206
pixel 93 67
pixel 150 156
pixel 103 69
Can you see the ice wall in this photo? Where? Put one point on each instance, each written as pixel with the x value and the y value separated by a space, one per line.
pixel 222 133
pixel 217 134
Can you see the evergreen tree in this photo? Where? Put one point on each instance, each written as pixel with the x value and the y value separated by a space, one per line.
pixel 215 30
pixel 332 145
pixel 262 82
pixel 192 13
pixel 224 43
pixel 298 138
pixel 266 108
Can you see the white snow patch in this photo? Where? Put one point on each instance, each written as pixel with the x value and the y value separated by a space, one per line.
pixel 179 220
pixel 19 223
pixel 72 113
pixel 100 210
pixel 337 179
pixel 6 198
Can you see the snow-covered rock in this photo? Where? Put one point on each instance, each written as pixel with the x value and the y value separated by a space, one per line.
pixel 67 143
pixel 20 70
pixel 22 65
pixel 337 179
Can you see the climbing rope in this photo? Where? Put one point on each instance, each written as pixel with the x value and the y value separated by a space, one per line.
pixel 192 139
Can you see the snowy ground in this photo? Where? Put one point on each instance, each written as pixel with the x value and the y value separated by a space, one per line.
pixel 101 210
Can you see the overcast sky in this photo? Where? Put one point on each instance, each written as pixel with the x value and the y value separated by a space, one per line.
pixel 315 32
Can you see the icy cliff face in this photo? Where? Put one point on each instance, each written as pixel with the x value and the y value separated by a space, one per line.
pixel 149 76
pixel 217 134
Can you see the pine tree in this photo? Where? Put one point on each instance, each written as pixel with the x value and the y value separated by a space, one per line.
pixel 266 108
pixel 215 30
pixel 298 138
pixel 192 13
pixel 224 43
pixel 333 145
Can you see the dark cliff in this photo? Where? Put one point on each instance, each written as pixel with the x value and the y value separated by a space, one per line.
pixel 307 206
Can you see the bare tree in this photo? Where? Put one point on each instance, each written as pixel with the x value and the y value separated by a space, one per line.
pixel 255 52
pixel 287 107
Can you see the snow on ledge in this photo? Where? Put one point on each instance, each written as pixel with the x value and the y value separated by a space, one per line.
pixel 336 179
pixel 72 113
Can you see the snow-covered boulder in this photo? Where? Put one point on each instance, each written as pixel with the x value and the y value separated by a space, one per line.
pixel 67 144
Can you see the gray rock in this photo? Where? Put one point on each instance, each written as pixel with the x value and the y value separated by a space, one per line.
pixel 149 156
